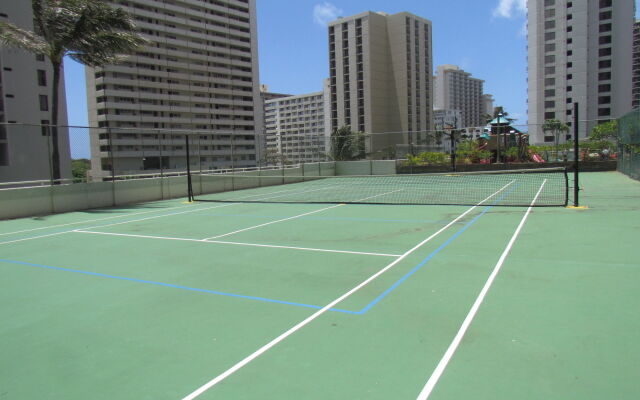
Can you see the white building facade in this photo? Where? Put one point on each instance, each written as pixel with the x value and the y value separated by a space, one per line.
pixel 295 129
pixel 199 76
pixel 578 51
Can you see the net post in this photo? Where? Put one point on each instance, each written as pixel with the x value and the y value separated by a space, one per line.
pixel 189 184
pixel 576 156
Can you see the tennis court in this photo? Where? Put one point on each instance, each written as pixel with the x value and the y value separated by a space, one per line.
pixel 244 300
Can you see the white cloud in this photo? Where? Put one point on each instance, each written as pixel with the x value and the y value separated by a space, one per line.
pixel 506 8
pixel 325 12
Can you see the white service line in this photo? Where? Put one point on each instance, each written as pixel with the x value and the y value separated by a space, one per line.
pixel 236 243
pixel 272 222
pixel 318 313
pixel 439 370
pixel 295 216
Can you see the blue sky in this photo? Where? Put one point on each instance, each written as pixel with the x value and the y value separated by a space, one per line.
pixel 484 37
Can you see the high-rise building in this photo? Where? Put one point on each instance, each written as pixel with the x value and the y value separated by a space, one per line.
pixel 455 89
pixel 380 77
pixel 199 75
pixel 295 130
pixel 636 66
pixel 25 98
pixel 579 51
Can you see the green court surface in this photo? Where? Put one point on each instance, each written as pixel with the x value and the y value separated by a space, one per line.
pixel 169 300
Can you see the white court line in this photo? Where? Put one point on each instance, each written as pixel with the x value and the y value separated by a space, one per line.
pixel 87 221
pixel 272 222
pixel 318 313
pixel 139 219
pixel 295 216
pixel 236 243
pixel 439 370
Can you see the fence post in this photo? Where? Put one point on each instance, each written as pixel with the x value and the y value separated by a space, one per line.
pixel 576 156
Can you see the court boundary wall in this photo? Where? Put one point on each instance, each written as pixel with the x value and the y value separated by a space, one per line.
pixel 43 200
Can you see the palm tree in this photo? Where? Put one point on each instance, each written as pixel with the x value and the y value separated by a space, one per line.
pixel 556 127
pixel 88 31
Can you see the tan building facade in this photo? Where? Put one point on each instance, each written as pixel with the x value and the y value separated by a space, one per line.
pixel 198 76
pixel 380 78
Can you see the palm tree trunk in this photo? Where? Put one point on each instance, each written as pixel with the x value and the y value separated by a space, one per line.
pixel 55 148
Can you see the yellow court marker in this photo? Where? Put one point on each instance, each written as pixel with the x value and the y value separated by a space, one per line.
pixel 188 202
pixel 578 207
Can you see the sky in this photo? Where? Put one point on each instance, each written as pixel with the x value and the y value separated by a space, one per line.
pixel 484 37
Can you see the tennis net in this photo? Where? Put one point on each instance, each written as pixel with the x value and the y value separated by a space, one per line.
pixel 500 188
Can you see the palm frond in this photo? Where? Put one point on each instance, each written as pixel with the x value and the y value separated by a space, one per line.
pixel 16 37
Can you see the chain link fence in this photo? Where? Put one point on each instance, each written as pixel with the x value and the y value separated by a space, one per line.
pixel 629 139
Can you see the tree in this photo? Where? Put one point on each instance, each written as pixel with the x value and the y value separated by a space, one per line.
pixel 88 31
pixel 347 145
pixel 556 127
pixel 605 131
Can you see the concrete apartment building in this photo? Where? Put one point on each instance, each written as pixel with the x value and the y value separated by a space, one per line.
pixel 25 98
pixel 380 78
pixel 455 89
pixel 199 76
pixel 635 94
pixel 579 51
pixel 295 129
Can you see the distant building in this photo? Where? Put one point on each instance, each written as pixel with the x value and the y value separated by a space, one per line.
pixel 487 105
pixel 295 129
pixel 380 78
pixel 447 118
pixel 578 51
pixel 455 89
pixel 261 137
pixel 25 98
pixel 636 65
pixel 198 76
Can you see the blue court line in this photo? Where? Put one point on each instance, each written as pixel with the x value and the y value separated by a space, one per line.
pixel 433 254
pixel 122 278
pixel 362 311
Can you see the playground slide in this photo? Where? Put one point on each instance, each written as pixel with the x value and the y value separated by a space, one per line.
pixel 537 158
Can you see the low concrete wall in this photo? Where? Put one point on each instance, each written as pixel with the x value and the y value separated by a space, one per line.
pixel 26 202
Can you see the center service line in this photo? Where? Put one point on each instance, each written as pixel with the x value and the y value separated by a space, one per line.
pixel 326 308
pixel 437 373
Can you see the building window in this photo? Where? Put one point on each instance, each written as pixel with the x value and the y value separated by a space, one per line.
pixel 604 52
pixel 569 88
pixel 569 76
pixel 548 3
pixel 550 36
pixel 604 88
pixel 569 53
pixel 549 24
pixel 549 81
pixel 605 39
pixel 44 103
pixel 604 112
pixel 569 64
pixel 44 127
pixel 42 78
pixel 604 100
pixel 605 28
pixel 569 28
pixel 549 59
pixel 39 57
pixel 604 76
pixel 604 64
pixel 605 3
pixel 550 47
pixel 549 104
pixel 549 115
pixel 605 15
pixel 569 4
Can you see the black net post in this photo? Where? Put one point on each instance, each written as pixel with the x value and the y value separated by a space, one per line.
pixel 576 156
pixel 189 184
